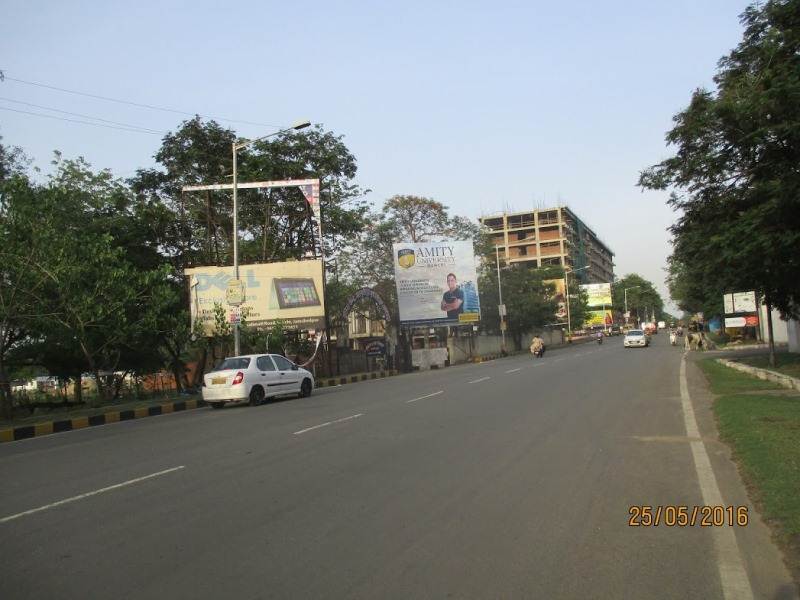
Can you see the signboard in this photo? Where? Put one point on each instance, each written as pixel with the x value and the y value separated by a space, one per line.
pixel 744 302
pixel 436 283
pixel 235 292
pixel 560 297
pixel 501 308
pixel 599 317
pixel 735 322
pixel 288 291
pixel 375 348
pixel 751 320
pixel 599 294
pixel 739 302
pixel 727 302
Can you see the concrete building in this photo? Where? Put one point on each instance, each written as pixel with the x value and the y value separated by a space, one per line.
pixel 552 236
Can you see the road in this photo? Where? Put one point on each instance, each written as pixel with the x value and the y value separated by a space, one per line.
pixel 508 479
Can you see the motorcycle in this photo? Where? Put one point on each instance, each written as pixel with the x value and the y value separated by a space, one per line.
pixel 673 339
pixel 600 341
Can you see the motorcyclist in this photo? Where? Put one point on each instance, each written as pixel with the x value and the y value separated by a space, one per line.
pixel 599 337
pixel 537 346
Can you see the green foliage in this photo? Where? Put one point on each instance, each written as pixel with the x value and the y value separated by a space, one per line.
pixel 735 174
pixel 368 260
pixel 530 303
pixel 195 228
pixel 643 298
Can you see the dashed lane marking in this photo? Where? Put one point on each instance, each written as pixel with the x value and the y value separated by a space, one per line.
pixel 329 423
pixel 514 370
pixel 423 397
pixel 89 494
pixel 479 380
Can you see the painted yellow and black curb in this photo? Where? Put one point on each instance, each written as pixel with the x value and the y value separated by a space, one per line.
pixel 333 381
pixel 24 432
pixel 39 429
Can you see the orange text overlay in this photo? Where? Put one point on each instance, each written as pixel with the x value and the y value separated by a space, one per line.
pixel 671 515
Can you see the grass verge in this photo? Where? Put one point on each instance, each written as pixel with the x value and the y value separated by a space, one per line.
pixel 764 433
pixel 788 363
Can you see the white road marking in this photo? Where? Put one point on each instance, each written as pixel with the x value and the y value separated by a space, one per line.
pixel 732 574
pixel 329 423
pixel 514 370
pixel 423 397
pixel 479 380
pixel 88 494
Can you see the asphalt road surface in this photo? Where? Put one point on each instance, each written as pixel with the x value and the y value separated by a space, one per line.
pixel 508 479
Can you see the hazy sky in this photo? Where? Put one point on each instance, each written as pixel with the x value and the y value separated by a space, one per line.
pixel 484 106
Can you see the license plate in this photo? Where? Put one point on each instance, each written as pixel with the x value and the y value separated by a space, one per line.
pixel 218 380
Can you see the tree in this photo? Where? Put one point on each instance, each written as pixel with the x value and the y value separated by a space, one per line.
pixel 690 293
pixel 20 289
pixel 368 260
pixel 643 298
pixel 274 224
pixel 530 301
pixel 735 172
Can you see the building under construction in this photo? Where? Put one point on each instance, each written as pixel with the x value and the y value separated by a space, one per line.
pixel 552 236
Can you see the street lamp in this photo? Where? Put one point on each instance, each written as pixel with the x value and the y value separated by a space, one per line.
pixel 501 308
pixel 236 147
pixel 566 290
pixel 626 301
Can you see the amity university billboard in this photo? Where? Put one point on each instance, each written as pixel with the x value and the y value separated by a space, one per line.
pixel 290 291
pixel 436 283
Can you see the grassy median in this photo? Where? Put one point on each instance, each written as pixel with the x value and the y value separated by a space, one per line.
pixel 787 363
pixel 760 420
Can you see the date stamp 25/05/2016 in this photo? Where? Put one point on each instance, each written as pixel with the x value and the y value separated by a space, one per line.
pixel 673 515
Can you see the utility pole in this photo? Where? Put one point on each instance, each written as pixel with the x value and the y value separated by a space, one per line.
pixel 501 308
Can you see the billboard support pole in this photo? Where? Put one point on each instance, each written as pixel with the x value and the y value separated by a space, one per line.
pixel 235 246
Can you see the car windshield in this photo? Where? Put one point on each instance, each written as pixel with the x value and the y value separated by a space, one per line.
pixel 635 332
pixel 233 363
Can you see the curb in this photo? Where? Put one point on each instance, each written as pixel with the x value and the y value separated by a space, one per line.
pixel 785 380
pixel 24 432
pixel 334 381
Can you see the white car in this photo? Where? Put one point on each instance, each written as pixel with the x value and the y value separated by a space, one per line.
pixel 254 378
pixel 636 338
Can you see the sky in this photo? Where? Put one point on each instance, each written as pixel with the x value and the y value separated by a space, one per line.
pixel 483 106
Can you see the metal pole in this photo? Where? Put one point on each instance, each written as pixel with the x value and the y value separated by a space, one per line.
pixel 235 245
pixel 566 291
pixel 500 293
pixel 626 306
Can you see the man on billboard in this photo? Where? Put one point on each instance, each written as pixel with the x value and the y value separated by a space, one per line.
pixel 453 298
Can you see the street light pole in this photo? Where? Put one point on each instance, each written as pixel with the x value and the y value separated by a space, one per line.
pixel 500 294
pixel 235 148
pixel 626 300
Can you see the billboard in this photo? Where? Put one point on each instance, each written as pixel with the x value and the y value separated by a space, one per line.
pixel 290 291
pixel 560 298
pixel 599 317
pixel 599 294
pixel 739 302
pixel 436 283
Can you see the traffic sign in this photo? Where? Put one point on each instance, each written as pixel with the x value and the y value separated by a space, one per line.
pixel 235 292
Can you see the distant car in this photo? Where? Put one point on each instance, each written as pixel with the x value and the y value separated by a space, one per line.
pixel 636 338
pixel 254 378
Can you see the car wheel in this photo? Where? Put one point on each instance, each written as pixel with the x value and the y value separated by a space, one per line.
pixel 217 405
pixel 256 395
pixel 305 389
